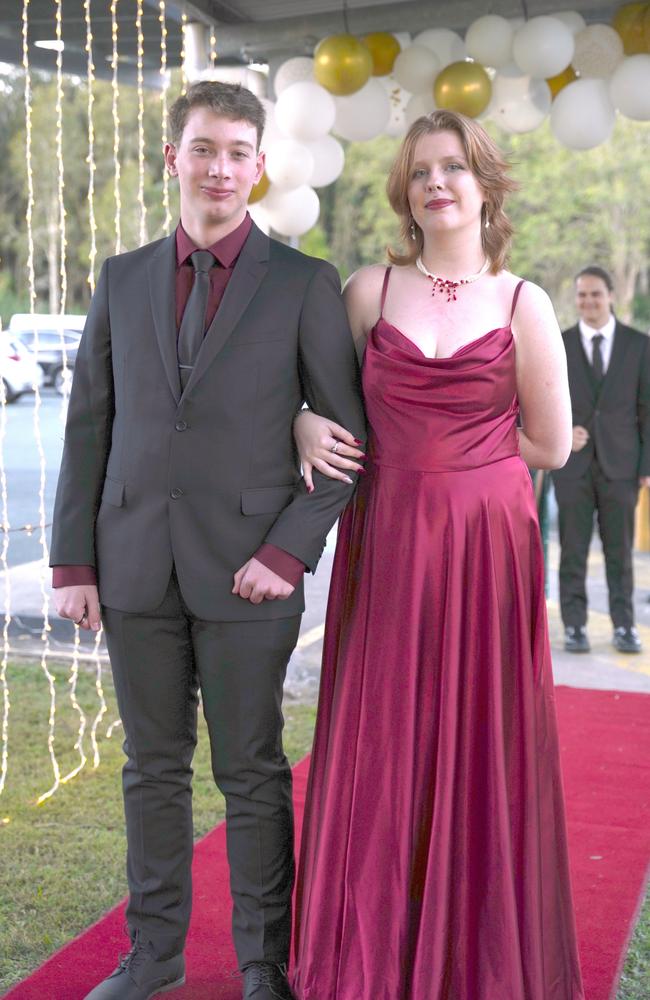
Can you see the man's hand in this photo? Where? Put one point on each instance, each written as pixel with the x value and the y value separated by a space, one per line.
pixel 255 583
pixel 580 438
pixel 80 604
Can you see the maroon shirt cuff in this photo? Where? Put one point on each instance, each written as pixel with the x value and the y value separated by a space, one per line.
pixel 283 563
pixel 73 576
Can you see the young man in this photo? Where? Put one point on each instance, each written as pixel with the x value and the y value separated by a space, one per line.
pixel 180 498
pixel 609 378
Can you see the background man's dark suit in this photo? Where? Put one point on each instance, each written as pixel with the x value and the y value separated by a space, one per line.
pixel 604 474
pixel 167 495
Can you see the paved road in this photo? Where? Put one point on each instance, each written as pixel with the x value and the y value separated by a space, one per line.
pixel 25 467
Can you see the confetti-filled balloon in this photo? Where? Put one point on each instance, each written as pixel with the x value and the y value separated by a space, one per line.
pixel 293 71
pixel 599 50
pixel 464 87
pixel 342 64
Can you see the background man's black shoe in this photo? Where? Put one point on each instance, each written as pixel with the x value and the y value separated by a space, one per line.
pixel 266 981
pixel 139 977
pixel 575 639
pixel 627 640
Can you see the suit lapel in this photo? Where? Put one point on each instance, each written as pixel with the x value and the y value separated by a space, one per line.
pixel 162 285
pixel 249 271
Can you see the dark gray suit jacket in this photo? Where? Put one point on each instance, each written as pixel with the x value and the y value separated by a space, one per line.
pixel 150 478
pixel 618 415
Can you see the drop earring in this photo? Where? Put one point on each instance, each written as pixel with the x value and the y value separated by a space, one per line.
pixel 412 229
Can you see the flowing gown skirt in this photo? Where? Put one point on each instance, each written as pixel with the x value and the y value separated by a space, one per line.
pixel 434 858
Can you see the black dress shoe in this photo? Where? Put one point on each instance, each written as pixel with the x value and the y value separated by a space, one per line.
pixel 266 981
pixel 575 639
pixel 139 976
pixel 627 640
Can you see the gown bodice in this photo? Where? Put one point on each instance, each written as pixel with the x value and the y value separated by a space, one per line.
pixel 440 414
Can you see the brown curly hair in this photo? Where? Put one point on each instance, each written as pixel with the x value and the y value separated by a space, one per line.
pixel 488 165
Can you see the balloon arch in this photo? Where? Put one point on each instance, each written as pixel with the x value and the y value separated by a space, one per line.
pixel 516 73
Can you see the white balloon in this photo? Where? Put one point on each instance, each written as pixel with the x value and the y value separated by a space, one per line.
pixel 293 71
pixel 329 160
pixel 416 68
pixel 446 45
pixel 629 87
pixel 543 46
pixel 582 114
pixel 575 22
pixel 398 99
pixel 272 131
pixel 419 105
pixel 489 40
pixel 363 115
pixel 292 213
pixel 305 110
pixel 289 164
pixel 599 50
pixel 519 104
pixel 259 216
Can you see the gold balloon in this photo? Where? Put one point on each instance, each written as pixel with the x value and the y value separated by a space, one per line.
pixel 559 82
pixel 259 189
pixel 342 64
pixel 629 22
pixel 384 49
pixel 464 87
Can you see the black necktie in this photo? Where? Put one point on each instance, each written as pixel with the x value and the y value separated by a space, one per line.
pixel 597 357
pixel 190 335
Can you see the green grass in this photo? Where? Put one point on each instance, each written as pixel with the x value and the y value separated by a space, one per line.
pixel 635 981
pixel 63 861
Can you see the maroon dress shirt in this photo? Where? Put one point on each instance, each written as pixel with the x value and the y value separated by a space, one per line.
pixel 226 251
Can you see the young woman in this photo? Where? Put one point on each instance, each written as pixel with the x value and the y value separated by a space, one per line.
pixel 434 858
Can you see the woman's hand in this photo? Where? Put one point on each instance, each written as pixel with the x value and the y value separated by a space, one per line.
pixel 316 438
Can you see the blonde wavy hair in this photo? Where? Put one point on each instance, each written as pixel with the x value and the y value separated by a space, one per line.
pixel 488 165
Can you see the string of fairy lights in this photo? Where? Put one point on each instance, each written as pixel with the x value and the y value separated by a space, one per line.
pixel 89 725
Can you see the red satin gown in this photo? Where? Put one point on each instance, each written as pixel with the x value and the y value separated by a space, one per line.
pixel 434 855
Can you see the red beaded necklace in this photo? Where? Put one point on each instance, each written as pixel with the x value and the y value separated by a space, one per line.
pixel 449 285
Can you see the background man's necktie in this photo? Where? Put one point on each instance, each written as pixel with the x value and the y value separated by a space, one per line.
pixel 597 357
pixel 190 335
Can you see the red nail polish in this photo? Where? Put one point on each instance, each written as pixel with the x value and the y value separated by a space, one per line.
pixel 357 441
pixel 362 471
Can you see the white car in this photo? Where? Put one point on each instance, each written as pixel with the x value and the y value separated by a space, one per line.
pixel 19 370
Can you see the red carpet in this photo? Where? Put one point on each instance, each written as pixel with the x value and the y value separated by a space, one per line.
pixel 605 738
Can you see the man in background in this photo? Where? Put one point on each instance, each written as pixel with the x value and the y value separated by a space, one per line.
pixel 609 380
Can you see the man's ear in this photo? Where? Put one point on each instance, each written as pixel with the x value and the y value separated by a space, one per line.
pixel 261 163
pixel 169 155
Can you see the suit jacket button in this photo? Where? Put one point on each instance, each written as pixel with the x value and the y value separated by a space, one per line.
pixel 176 493
pixel 181 425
